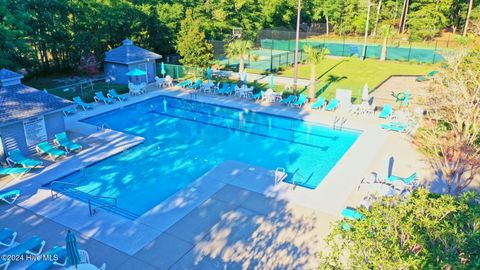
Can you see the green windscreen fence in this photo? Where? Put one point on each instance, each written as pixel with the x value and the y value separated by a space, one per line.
pixel 420 55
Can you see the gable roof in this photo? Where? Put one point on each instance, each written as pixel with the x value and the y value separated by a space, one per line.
pixel 6 74
pixel 20 102
pixel 129 53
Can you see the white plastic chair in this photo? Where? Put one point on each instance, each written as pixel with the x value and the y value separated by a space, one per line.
pixel 84 258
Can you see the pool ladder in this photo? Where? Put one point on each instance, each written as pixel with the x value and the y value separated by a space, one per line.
pixel 295 181
pixel 338 122
pixel 94 201
pixel 100 203
pixel 103 127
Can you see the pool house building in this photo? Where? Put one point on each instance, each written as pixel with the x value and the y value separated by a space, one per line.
pixel 119 61
pixel 27 116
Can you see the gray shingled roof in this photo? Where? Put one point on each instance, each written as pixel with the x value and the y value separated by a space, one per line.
pixel 20 102
pixel 129 53
pixel 8 74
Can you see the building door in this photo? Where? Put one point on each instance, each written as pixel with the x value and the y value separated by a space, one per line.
pixel 144 67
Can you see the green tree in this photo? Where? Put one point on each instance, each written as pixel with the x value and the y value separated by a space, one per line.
pixel 450 133
pixel 239 49
pixel 386 32
pixel 420 231
pixel 192 46
pixel 314 56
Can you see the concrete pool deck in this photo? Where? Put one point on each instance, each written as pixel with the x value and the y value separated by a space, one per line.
pixel 233 215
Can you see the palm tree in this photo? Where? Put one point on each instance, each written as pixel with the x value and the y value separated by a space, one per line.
pixel 314 56
pixel 469 12
pixel 239 49
pixel 386 31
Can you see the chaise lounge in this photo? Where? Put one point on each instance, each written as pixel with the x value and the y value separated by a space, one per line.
pixel 52 152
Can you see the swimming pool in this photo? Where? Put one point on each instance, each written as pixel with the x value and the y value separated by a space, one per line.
pixel 189 138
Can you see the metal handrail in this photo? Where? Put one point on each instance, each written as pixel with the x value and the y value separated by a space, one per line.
pixel 293 179
pixel 92 210
pixel 55 193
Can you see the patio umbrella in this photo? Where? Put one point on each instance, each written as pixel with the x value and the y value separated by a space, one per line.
pixel 271 81
pixel 136 72
pixel 245 77
pixel 209 73
pixel 72 249
pixel 162 70
pixel 406 98
pixel 365 93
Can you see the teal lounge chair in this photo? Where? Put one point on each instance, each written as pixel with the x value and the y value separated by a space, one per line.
pixel 302 99
pixel 46 148
pixel 196 85
pixel 16 173
pixel 427 77
pixel 318 104
pixel 68 111
pixel 185 83
pixel 7 237
pixel 61 139
pixel 112 93
pixel 386 111
pixel 99 96
pixel 33 246
pixel 10 196
pixel 15 157
pixel 230 90
pixel 59 253
pixel 352 214
pixel 258 96
pixel 395 126
pixel 332 105
pixel 288 100
pixel 80 102
pixel 224 88
pixel 407 180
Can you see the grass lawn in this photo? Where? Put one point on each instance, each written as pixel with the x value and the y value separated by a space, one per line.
pixel 352 74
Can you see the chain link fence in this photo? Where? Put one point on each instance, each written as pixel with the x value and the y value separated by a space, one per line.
pixel 274 49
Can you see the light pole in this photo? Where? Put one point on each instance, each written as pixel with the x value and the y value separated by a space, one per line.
pixel 364 52
pixel 297 37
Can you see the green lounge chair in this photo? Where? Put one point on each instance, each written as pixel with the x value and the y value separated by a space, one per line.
pixel 61 139
pixel 16 173
pixel 185 83
pixel 7 237
pixel 302 99
pixel 318 104
pixel 427 77
pixel 80 102
pixel 33 246
pixel 386 111
pixel 332 105
pixel 99 96
pixel 112 93
pixel 46 148
pixel 288 100
pixel 407 180
pixel 59 253
pixel 15 157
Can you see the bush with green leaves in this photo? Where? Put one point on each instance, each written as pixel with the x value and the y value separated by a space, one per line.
pixel 419 231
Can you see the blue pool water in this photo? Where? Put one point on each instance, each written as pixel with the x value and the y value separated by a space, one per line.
pixel 190 138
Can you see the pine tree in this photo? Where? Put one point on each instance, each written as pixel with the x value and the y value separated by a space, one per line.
pixel 192 45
